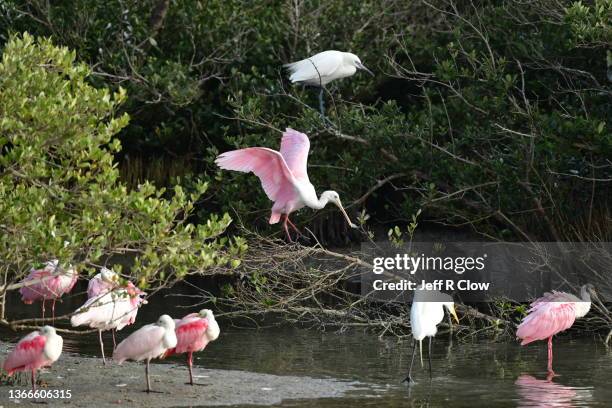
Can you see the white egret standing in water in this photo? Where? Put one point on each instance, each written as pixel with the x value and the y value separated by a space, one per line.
pixel 426 312
pixel 324 67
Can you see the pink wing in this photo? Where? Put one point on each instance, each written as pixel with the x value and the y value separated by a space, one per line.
pixel 190 333
pixel 98 286
pixel 294 149
pixel 549 315
pixel 27 352
pixel 267 164
pixel 38 290
pixel 140 344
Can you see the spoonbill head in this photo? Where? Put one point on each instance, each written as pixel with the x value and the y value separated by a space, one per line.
pixel 283 175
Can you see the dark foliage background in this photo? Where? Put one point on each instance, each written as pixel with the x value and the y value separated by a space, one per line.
pixel 487 115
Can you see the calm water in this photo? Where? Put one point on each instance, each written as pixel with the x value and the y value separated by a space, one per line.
pixel 475 374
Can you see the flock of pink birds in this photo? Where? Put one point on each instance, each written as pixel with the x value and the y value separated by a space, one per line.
pixel 111 305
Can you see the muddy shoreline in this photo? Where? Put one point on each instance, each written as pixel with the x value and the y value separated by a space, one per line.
pixel 92 384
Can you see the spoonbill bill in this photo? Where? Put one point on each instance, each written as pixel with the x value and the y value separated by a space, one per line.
pixel 38 349
pixel 283 176
pixel 553 313
pixel 50 282
pixel 111 311
pixel 193 333
pixel 324 67
pixel 148 342
pixel 426 312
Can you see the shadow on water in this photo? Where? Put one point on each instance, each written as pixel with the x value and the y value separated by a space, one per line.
pixel 475 374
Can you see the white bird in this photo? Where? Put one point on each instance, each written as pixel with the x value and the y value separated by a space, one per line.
pixel 426 312
pixel 112 311
pixel 148 342
pixel 324 67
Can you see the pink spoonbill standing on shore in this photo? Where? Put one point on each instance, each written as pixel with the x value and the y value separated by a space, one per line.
pixel 111 311
pixel 36 350
pixel 283 176
pixel 48 283
pixel 551 314
pixel 148 342
pixel 193 333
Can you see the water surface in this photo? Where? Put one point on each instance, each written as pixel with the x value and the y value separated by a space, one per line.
pixel 475 374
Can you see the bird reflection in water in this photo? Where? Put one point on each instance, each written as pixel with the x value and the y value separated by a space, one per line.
pixel 546 393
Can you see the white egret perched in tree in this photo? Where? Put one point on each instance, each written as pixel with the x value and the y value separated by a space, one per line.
pixel 324 67
pixel 426 312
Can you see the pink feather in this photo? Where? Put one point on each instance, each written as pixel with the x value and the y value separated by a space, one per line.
pixel 52 283
pixel 551 314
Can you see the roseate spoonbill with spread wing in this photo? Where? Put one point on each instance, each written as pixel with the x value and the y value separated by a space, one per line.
pixel 283 176
pixel 36 350
pixel 193 333
pixel 50 282
pixel 148 342
pixel 103 282
pixel 111 311
pixel 324 67
pixel 426 312
pixel 551 314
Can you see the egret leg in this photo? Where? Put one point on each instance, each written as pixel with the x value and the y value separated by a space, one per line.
pixel 421 352
pixel 409 377
pixel 33 381
pixel 550 355
pixel 430 342
pixel 321 104
pixel 190 365
pixel 102 346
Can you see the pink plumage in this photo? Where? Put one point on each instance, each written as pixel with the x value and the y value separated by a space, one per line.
pixel 51 283
pixel 193 333
pixel 148 342
pixel 36 350
pixel 551 314
pixel 283 176
pixel 102 283
pixel 112 310
pixel 190 334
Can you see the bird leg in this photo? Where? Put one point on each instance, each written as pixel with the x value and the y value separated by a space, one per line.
pixel 147 375
pixel 190 365
pixel 43 308
pixel 102 346
pixel 287 229
pixel 321 104
pixel 114 341
pixel 550 355
pixel 33 381
pixel 293 226
pixel 430 342
pixel 409 377
pixel 53 311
